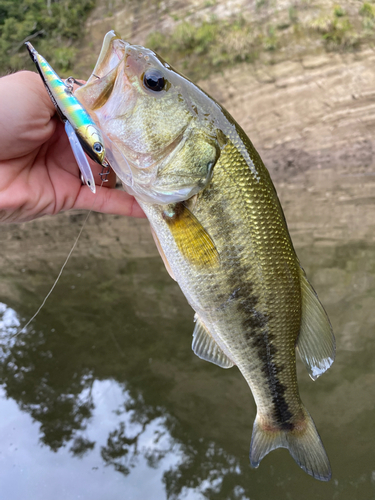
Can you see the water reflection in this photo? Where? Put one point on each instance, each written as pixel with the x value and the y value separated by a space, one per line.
pixel 39 374
pixel 105 379
pixel 65 395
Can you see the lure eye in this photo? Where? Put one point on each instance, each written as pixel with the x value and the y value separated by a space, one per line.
pixel 98 148
pixel 154 80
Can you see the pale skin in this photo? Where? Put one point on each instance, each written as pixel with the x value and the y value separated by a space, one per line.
pixel 38 172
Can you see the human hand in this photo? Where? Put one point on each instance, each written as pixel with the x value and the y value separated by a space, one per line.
pixel 38 172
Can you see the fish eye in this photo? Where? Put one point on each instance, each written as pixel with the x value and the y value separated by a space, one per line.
pixel 97 147
pixel 154 80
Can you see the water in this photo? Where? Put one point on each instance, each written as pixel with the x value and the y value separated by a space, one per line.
pixel 103 397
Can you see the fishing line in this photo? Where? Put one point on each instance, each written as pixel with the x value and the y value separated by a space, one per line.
pixel 62 267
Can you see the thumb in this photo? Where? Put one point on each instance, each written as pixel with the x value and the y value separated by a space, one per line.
pixel 108 201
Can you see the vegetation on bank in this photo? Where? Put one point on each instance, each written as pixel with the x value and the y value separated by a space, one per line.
pixel 202 48
pixel 199 43
pixel 52 26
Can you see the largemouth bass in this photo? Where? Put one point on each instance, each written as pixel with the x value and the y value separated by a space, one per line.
pixel 220 229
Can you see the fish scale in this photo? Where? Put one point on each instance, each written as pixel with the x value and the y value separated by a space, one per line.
pixel 276 299
pixel 255 201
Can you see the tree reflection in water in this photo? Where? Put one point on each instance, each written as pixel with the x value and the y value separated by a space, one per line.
pixel 47 388
pixel 50 371
pixel 202 465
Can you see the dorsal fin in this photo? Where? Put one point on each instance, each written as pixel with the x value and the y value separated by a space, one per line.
pixel 316 343
pixel 205 347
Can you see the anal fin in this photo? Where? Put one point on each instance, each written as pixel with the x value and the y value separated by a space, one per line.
pixel 205 347
pixel 316 343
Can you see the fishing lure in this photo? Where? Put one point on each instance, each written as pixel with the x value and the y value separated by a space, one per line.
pixel 84 135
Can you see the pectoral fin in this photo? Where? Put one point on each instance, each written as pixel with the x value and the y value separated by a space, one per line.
pixel 193 241
pixel 205 347
pixel 316 343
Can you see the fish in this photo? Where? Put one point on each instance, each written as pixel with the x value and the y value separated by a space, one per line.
pixel 219 227
pixel 83 133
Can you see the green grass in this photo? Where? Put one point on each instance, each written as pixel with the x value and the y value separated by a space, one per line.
pixel 54 27
pixel 336 29
pixel 367 10
pixel 200 49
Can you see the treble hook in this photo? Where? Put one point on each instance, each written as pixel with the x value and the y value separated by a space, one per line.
pixel 70 81
pixel 104 173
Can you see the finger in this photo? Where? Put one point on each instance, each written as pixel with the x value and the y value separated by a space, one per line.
pixel 108 201
pixel 26 112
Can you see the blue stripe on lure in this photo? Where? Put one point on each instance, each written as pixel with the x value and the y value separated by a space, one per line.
pixel 83 133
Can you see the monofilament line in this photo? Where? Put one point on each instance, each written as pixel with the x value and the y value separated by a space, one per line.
pixel 61 270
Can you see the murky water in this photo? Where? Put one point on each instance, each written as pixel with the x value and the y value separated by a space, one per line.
pixel 103 397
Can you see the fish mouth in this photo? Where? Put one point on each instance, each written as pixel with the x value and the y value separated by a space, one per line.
pixel 115 51
pixel 112 53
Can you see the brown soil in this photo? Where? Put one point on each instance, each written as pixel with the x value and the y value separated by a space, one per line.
pixel 315 113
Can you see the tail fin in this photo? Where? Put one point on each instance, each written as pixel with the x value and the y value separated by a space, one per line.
pixel 305 446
